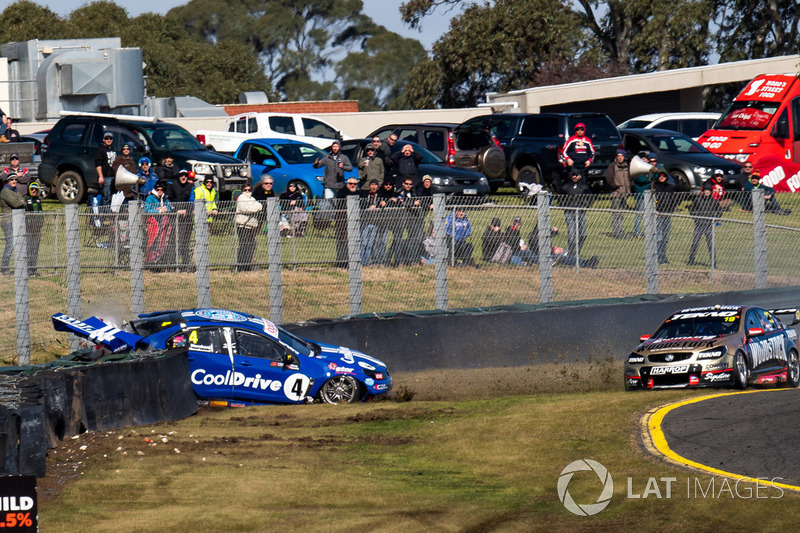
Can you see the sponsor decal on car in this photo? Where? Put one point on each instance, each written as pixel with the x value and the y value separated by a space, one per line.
pixel 704 314
pixel 369 382
pixel 221 315
pixel 201 377
pixel 767 349
pixel 714 377
pixel 661 370
pixel 685 342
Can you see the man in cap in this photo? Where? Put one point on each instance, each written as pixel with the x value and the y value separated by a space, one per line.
pixel 180 192
pixel 370 167
pixel 10 199
pixel 717 185
pixel 15 168
pixel 103 161
pixel 618 177
pixel 578 151
pixel 770 201
pixel 335 165
pixel 207 192
pixel 33 225
pixel 666 202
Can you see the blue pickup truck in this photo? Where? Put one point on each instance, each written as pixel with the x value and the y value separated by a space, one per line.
pixel 286 161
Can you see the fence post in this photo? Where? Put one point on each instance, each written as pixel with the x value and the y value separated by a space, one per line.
pixel 203 278
pixel 354 253
pixel 274 261
pixel 545 246
pixel 21 301
pixel 759 239
pixel 650 242
pixel 440 253
pixel 137 259
pixel 72 239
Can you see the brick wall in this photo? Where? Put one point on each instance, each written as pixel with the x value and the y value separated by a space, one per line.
pixel 332 106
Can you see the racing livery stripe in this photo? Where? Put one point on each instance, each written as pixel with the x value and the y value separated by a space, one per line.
pixel 656 443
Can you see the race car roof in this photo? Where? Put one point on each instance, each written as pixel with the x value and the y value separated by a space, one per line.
pixel 151 323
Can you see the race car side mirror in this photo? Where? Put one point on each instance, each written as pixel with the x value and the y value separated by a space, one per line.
pixel 755 332
pixel 288 358
pixel 644 338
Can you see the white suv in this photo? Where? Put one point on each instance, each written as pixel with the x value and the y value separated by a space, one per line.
pixel 691 124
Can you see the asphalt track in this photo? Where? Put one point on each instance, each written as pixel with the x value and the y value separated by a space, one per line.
pixel 751 434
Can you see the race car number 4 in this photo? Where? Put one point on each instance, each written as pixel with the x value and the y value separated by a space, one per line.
pixel 680 369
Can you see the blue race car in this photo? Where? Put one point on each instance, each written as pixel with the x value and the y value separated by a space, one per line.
pixel 239 359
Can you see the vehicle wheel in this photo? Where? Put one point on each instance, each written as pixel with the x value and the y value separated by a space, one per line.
pixel 793 369
pixel 303 189
pixel 44 192
pixel 527 174
pixel 740 371
pixel 340 389
pixel 681 177
pixel 492 162
pixel 70 187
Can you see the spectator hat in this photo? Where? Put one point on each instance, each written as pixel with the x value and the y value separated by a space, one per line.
pixel 621 152
pixel 108 135
pixel 34 185
pixel 496 222
pixel 13 156
pixel 183 172
pixel 192 175
pixel 717 172
pixel 126 145
pixel 426 177
pixel 756 174
pixel 169 155
pixel 373 180
pixel 662 171
pixel 517 220
pixel 144 160
pixel 370 148
pixel 335 142
pixel 580 125
pixel 160 184
pixel 652 155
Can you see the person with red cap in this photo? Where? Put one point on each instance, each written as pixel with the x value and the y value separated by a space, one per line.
pixel 578 151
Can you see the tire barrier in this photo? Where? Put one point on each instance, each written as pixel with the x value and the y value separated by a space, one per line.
pixel 520 335
pixel 41 405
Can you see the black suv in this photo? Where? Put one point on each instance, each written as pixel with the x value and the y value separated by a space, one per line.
pixel 68 152
pixel 533 142
pixel 469 147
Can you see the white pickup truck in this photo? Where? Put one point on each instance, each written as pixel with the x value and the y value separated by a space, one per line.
pixel 245 126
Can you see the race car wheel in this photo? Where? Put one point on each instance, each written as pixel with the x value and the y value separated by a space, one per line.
pixel 793 369
pixel 340 389
pixel 740 371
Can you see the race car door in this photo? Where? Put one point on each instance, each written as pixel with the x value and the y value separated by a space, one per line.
pixel 768 350
pixel 210 363
pixel 260 374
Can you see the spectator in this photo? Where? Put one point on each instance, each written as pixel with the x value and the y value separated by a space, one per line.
pixel 336 164
pixel 293 203
pixel 150 178
pixel 10 199
pixel 406 162
pixel 247 224
pixel 370 168
pixel 12 134
pixel 16 169
pixel 209 195
pixel 4 124
pixel 457 230
pixel 491 239
pixel 382 150
pixel 265 188
pixel 34 221
pixel 406 249
pixel 706 208
pixel 717 186
pixel 770 201
pixel 578 151
pixel 666 202
pixel 641 183
pixel 370 221
pixel 180 192
pixel 388 221
pixel 125 161
pixel 529 252
pixel 424 191
pixel 103 160
pixel 577 198
pixel 167 170
pixel 619 179
pixel 350 189
pixel 512 237
pixel 159 225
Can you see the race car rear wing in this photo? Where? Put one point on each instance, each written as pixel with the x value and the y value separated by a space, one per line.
pixel 98 332
pixel 793 311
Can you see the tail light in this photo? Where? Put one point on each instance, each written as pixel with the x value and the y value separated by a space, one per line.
pixel 496 140
pixel 45 143
pixel 451 148
pixel 202 139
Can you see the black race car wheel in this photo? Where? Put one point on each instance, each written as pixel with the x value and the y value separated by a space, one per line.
pixel 793 369
pixel 340 389
pixel 740 371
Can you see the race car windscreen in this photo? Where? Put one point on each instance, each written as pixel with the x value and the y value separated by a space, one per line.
pixel 694 326
pixel 296 343
pixel 148 326
pixel 747 115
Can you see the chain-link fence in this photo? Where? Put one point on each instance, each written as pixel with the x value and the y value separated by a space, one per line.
pixel 328 258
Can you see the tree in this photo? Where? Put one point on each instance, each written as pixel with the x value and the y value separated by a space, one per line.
pixel 752 29
pixel 23 21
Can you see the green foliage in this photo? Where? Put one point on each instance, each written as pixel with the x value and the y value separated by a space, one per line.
pixel 23 21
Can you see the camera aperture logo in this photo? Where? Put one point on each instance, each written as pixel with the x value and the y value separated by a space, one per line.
pixel 587 509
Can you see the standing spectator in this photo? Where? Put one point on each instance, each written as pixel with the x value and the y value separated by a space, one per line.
pixel 578 151
pixel 370 168
pixel 336 164
pixel 770 201
pixel 458 229
pixel 407 248
pixel 34 221
pixel 717 186
pixel 491 239
pixel 388 221
pixel 577 198
pixel 370 220
pixel 406 162
pixel 350 189
pixel 382 150
pixel 294 205
pixel 10 199
pixel 180 192
pixel 641 183
pixel 705 206
pixel 666 202
pixel 159 224
pixel 618 177
pixel 167 170
pixel 103 160
pixel 4 124
pixel 265 189
pixel 207 192
pixel 16 169
pixel 125 161
pixel 149 177
pixel 247 224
